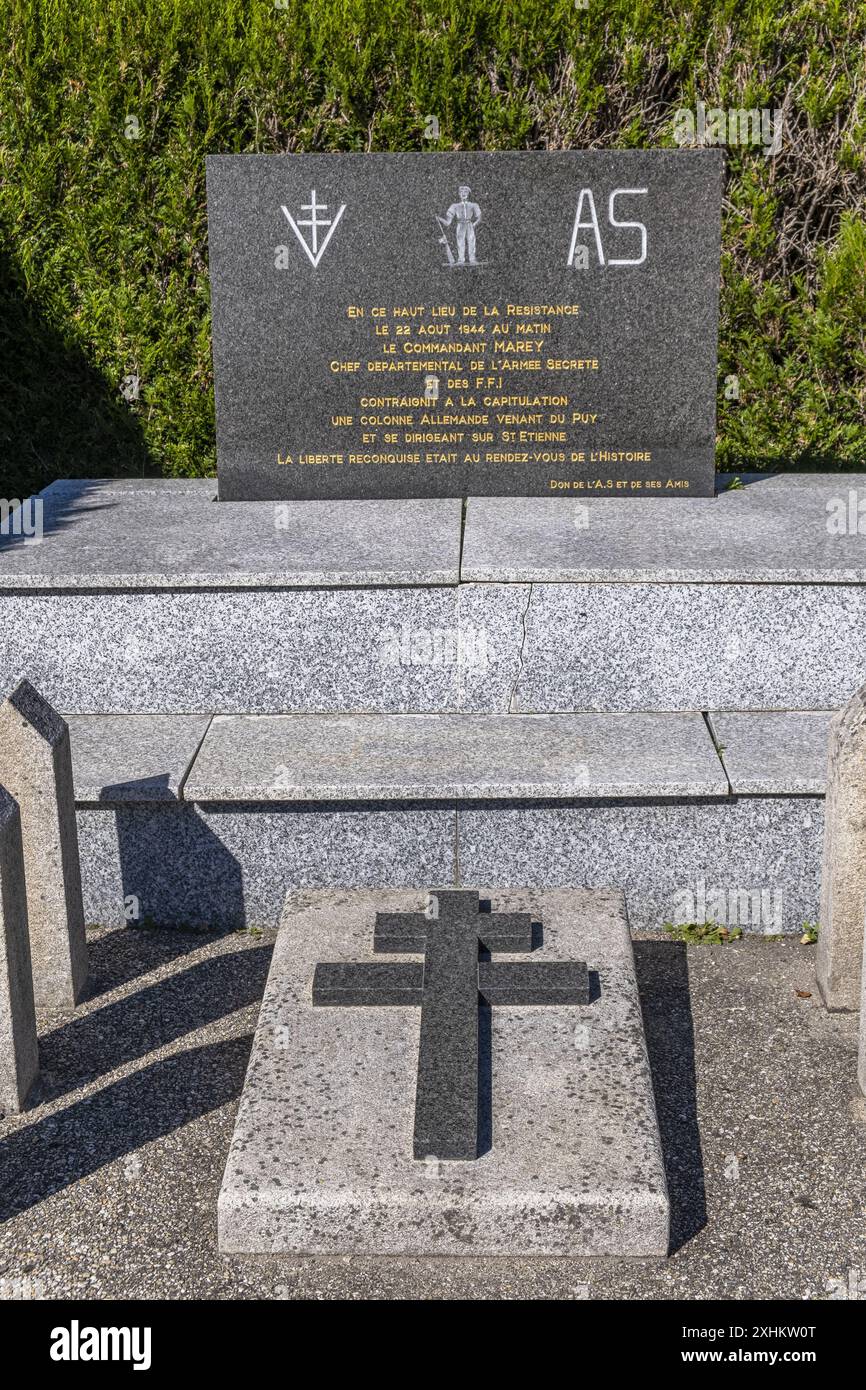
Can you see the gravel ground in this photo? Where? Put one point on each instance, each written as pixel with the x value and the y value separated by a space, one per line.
pixel 108 1186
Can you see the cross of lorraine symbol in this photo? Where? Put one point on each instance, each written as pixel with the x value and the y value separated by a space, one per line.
pixel 314 250
pixel 449 984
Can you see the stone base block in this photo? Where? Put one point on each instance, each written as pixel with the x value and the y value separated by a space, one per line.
pixel 752 862
pixel 229 866
pixel 570 1163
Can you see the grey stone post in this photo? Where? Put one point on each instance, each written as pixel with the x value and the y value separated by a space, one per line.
pixel 36 769
pixel 19 1052
pixel 843 872
pixel 861 1065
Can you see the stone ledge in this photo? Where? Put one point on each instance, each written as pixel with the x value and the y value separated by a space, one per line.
pixel 166 534
pixel 776 752
pixel 440 756
pixel 324 758
pixel 133 757
pixel 772 531
pixel 147 596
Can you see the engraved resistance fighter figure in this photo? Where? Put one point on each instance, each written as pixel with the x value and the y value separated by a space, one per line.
pixel 467 216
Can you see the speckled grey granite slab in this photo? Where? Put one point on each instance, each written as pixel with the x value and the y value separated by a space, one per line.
pixel 690 646
pixel 518 646
pixel 774 751
pixel 753 862
pixel 524 648
pixel 321 1159
pixel 240 650
pixel 104 535
pixel 784 529
pixel 302 757
pixel 491 622
pixel 138 757
pixel 230 866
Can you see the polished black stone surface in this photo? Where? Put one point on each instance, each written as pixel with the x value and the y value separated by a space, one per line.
pixel 446 1095
pixel 548 982
pixel 449 987
pixel 438 324
pixel 373 983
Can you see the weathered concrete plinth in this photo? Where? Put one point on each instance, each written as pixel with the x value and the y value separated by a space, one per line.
pixel 321 1161
pixel 843 871
pixel 37 770
pixel 19 1046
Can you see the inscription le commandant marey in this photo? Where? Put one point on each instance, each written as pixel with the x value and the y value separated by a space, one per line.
pixel 433 325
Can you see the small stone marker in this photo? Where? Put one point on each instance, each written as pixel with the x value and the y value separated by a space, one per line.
pixel 337 1101
pixel 448 986
pixel 19 1052
pixel 843 873
pixel 36 768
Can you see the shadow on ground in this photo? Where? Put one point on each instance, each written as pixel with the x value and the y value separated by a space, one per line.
pixel 117 957
pixel 663 981
pixel 79 1051
pixel 64 1145
pixel 69 1144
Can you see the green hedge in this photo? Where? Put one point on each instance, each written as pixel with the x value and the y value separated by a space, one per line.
pixel 104 258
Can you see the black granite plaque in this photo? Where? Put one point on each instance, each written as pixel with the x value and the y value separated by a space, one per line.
pixel 426 325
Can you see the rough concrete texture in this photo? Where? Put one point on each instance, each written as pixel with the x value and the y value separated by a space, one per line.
pixel 19 1049
pixel 110 1184
pixel 322 1156
pixel 843 868
pixel 36 768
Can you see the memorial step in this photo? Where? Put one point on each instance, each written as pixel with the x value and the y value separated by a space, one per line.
pixel 371 757
pixel 208 821
pixel 415 757
pixel 339 1099
pixel 156 599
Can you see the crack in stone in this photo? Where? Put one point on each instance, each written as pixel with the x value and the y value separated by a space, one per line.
pixel 519 672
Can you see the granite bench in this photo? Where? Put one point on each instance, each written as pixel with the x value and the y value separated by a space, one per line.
pixel 150 597
pixel 209 820
pixel 733 621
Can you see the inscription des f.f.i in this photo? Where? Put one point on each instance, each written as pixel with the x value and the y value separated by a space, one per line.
pixel 464 215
